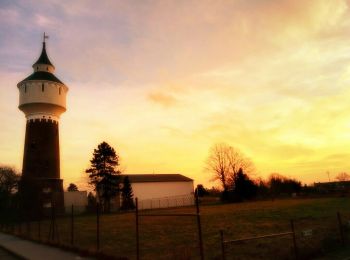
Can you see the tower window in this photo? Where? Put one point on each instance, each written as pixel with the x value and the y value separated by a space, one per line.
pixel 25 88
pixel 37 68
pixel 59 91
pixel 42 87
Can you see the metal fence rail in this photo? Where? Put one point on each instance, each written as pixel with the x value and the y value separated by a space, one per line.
pixel 233 241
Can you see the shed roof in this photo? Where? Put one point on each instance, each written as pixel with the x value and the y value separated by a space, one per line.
pixel 137 178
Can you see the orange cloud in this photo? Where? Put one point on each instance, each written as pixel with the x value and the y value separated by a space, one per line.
pixel 165 100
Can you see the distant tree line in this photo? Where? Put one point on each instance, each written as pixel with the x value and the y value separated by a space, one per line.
pixel 244 188
pixel 343 176
pixel 234 172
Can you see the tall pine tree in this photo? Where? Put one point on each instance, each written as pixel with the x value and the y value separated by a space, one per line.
pixel 127 195
pixel 104 174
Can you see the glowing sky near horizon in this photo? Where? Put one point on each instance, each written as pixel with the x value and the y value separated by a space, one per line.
pixel 162 81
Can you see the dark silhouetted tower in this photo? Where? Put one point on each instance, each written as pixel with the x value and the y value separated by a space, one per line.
pixel 42 98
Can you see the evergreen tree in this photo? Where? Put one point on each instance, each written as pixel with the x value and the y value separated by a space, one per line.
pixel 127 195
pixel 91 206
pixel 72 187
pixel 201 191
pixel 104 174
pixel 244 188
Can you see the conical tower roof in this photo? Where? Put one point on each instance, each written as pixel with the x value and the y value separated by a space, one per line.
pixel 43 68
pixel 43 59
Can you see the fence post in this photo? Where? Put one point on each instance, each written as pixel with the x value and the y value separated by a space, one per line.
pixel 342 238
pixel 52 230
pixel 28 228
pixel 20 227
pixel 39 229
pixel 97 226
pixel 294 239
pixel 72 226
pixel 12 228
pixel 199 227
pixel 137 229
pixel 53 222
pixel 222 244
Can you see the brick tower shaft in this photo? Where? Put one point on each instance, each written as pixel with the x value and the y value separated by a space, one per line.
pixel 41 150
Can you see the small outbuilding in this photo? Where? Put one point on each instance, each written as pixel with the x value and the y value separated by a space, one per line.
pixel 162 190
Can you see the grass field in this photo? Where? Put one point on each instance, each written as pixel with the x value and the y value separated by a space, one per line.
pixel 176 237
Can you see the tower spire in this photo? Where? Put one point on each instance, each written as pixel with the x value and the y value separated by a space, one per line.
pixel 45 37
pixel 44 59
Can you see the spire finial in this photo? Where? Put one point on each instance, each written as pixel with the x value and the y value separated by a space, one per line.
pixel 45 37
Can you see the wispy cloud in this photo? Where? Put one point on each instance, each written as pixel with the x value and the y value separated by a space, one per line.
pixel 45 21
pixel 165 100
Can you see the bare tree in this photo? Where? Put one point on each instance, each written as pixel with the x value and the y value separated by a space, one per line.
pixel 225 161
pixel 343 176
pixel 237 161
pixel 8 180
pixel 218 164
pixel 8 188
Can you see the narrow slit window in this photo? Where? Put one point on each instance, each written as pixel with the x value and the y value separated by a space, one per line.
pixel 59 91
pixel 47 68
pixel 25 88
pixel 42 87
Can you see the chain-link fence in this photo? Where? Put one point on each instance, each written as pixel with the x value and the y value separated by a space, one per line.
pixel 173 236
pixel 306 238
pixel 167 202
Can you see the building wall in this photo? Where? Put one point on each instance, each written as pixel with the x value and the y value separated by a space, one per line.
pixel 53 93
pixel 163 194
pixel 76 198
pixel 151 190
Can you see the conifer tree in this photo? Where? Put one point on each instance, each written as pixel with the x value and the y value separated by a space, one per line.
pixel 104 174
pixel 127 195
pixel 72 187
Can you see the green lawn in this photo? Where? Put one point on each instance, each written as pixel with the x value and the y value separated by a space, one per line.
pixel 176 237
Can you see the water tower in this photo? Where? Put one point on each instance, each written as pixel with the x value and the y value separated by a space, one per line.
pixel 42 98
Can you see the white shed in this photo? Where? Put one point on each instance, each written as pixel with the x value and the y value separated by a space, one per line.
pixel 162 190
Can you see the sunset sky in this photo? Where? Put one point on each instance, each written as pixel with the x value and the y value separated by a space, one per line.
pixel 162 81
